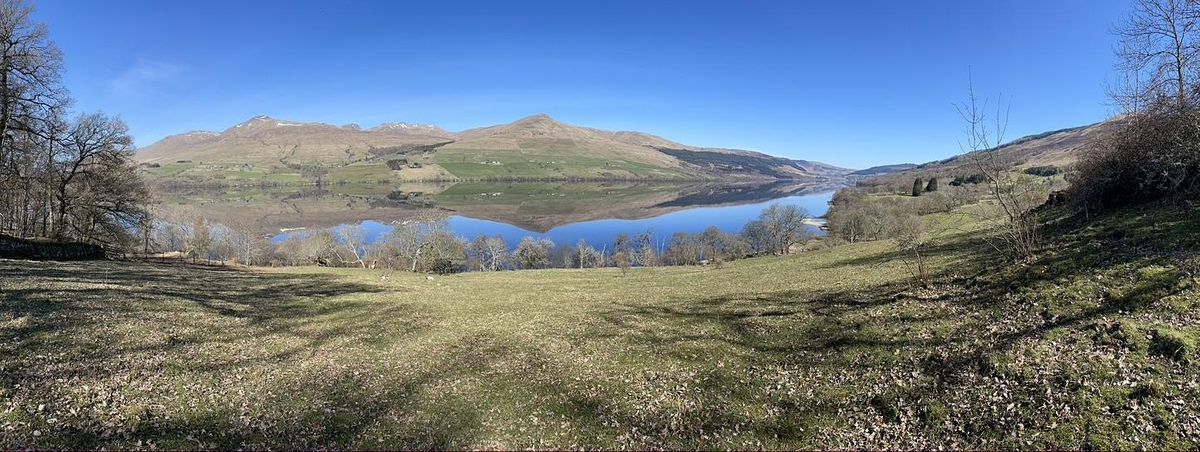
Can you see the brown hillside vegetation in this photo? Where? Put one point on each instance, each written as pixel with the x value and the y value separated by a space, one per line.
pixel 1060 149
pixel 265 149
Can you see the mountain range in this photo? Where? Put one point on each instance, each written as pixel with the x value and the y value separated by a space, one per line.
pixel 535 147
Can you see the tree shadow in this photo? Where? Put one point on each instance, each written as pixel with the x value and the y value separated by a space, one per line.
pixel 108 325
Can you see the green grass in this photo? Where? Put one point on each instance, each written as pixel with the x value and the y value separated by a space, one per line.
pixel 361 172
pixel 471 164
pixel 831 348
pixel 222 173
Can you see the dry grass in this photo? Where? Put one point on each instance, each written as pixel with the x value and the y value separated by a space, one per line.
pixel 830 348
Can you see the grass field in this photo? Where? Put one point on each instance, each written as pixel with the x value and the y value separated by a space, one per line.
pixel 470 163
pixel 1092 346
pixel 232 174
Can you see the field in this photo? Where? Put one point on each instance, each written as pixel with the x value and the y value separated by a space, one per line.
pixel 1094 345
pixel 478 164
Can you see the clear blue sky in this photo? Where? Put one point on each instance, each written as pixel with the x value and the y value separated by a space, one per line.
pixel 853 83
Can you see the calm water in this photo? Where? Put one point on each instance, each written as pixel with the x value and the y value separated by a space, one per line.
pixel 601 233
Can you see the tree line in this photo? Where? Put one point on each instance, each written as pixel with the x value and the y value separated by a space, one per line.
pixel 426 244
pixel 63 175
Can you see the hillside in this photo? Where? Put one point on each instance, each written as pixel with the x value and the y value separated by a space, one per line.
pixel 263 140
pixel 884 169
pixel 1057 149
pixel 264 149
pixel 1093 346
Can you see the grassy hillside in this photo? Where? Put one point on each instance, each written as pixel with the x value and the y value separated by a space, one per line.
pixel 267 150
pixel 1092 346
pixel 1057 150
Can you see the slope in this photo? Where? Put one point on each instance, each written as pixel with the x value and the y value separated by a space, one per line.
pixel 1092 347
pixel 264 149
pixel 1056 150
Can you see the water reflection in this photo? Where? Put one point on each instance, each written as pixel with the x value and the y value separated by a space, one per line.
pixel 562 212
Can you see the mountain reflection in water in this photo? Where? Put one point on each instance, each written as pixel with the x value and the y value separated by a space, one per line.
pixel 563 212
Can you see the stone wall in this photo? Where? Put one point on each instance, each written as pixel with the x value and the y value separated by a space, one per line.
pixel 16 248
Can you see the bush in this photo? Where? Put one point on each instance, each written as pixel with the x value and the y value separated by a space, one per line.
pixel 973 179
pixel 397 164
pixel 1044 171
pixel 441 266
pixel 1154 155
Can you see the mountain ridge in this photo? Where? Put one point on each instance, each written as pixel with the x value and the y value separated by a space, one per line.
pixel 535 146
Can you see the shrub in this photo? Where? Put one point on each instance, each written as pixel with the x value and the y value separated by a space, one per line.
pixel 441 266
pixel 397 164
pixel 918 187
pixel 968 180
pixel 1154 155
pixel 1044 171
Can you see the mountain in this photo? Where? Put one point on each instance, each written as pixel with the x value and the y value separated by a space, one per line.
pixel 267 141
pixel 1057 148
pixel 535 147
pixel 884 169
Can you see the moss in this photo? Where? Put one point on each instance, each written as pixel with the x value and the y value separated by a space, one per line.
pixel 934 413
pixel 1173 344
pixel 1183 303
pixel 1162 418
pixel 1122 333
pixel 1150 389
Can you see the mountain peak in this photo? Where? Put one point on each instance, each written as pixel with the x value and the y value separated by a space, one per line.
pixel 263 122
pixel 404 126
pixel 540 117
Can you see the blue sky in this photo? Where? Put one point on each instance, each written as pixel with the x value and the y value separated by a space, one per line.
pixel 853 83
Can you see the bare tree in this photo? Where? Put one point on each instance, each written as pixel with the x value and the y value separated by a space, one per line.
pixel 622 253
pixel 1158 52
pixel 532 253
pixel 413 239
pixel 1013 195
pixel 200 239
pixel 96 174
pixel 30 76
pixel 352 240
pixel 643 252
pixel 784 226
pixel 588 256
pixel 490 253
pixel 912 240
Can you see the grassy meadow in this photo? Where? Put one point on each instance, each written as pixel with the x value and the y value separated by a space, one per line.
pixel 1092 346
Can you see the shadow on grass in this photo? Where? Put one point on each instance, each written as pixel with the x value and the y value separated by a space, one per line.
pixel 61 297
pixel 209 330
pixel 789 368
pixel 871 340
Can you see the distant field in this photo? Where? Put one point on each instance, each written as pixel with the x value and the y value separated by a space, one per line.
pixel 1092 346
pixel 226 173
pixel 446 164
pixel 467 163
